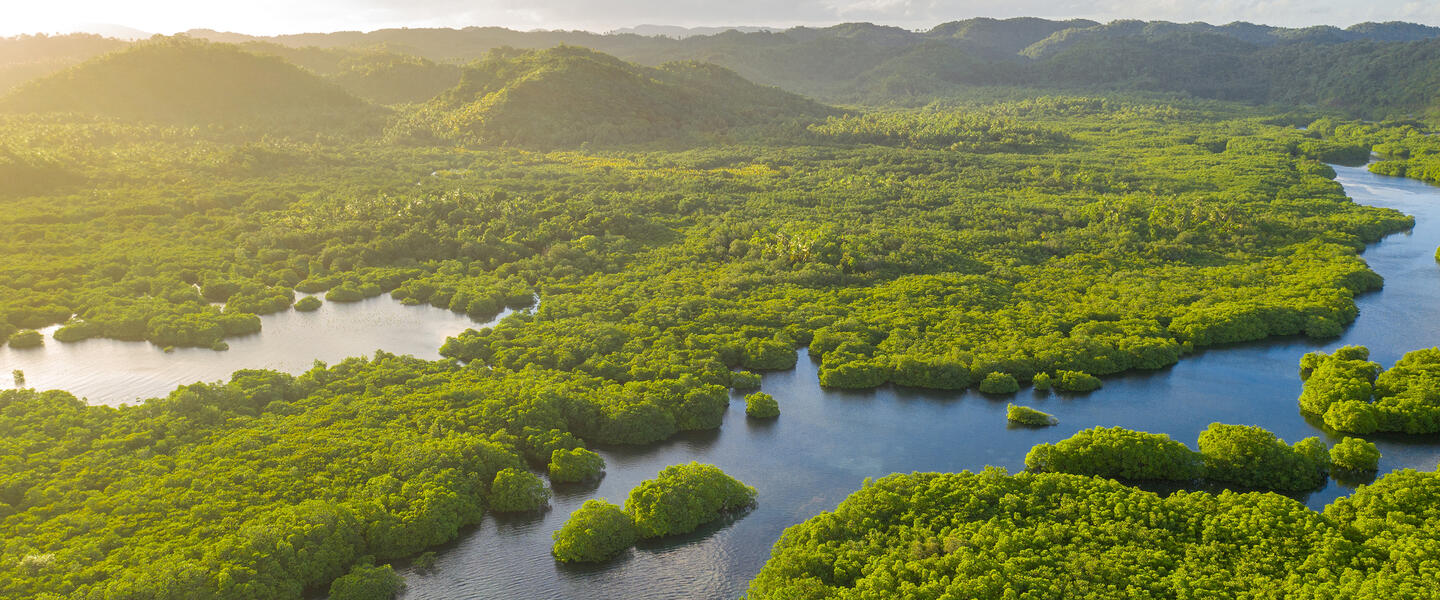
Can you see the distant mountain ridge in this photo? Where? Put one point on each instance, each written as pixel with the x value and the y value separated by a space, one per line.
pixel 568 95
pixel 182 81
pixel 1370 70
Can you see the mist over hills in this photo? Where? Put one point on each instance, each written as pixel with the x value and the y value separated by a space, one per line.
pixel 182 81
pixel 872 64
pixel 1371 70
pixel 570 95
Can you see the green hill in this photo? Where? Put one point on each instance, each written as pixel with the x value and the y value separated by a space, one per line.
pixel 188 82
pixel 568 96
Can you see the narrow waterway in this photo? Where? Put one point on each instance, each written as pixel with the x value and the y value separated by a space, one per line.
pixel 826 443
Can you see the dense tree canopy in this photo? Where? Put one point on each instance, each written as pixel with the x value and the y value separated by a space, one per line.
pixel 1354 395
pixel 943 249
pixel 683 497
pixel 993 535
pixel 1117 452
pixel 594 533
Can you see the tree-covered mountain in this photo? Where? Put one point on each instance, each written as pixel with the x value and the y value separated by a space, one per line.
pixel 27 57
pixel 181 81
pixel 1392 63
pixel 570 95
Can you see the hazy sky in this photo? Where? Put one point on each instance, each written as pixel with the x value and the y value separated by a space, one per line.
pixel 290 16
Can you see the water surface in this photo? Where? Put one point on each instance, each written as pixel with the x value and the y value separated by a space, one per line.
pixel 825 443
pixel 112 372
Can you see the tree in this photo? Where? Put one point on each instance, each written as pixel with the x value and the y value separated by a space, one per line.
pixel 1355 454
pixel 1024 415
pixel 999 383
pixel 515 490
pixel 596 532
pixel 761 405
pixel 682 497
pixel 367 582
pixel 575 465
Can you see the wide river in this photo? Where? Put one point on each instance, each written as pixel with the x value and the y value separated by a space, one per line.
pixel 825 443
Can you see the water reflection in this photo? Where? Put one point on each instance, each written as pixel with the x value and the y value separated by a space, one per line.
pixel 825 443
pixel 111 371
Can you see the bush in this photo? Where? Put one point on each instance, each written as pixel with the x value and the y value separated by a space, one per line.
pixel 761 405
pixel 744 380
pixel 575 465
pixel 846 371
pixel 1117 452
pixel 1041 381
pixel 1076 381
pixel 999 383
pixel 1253 457
pixel 1024 415
pixel 514 490
pixel 308 304
pixel 768 355
pixel 1355 454
pixel 597 531
pixel 366 582
pixel 1353 395
pixel 682 497
pixel 935 374
pixel 27 338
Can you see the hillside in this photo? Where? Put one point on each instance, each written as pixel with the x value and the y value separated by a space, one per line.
pixel 189 82
pixel 861 63
pixel 569 96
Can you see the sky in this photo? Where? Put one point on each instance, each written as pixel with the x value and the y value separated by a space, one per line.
pixel 269 17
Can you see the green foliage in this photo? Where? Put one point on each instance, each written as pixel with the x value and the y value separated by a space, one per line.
pixel 567 96
pixel 26 338
pixel 1116 452
pixel 1255 458
pixel 992 535
pixel 999 383
pixel 308 304
pixel 683 497
pixel 366 582
pixel 1355 454
pixel 941 129
pixel 767 354
pixel 1024 415
pixel 425 563
pixel 1354 395
pixel 596 532
pixel 761 405
pixel 1076 381
pixel 744 380
pixel 575 465
pixel 1042 382
pixel 517 490
pixel 1157 228
pixel 178 80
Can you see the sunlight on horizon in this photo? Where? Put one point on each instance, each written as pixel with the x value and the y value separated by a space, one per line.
pixel 273 17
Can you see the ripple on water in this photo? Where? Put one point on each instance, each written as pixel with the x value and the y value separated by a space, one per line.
pixel 826 442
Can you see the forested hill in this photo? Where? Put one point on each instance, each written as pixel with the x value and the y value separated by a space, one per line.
pixel 570 95
pixel 191 82
pixel 870 64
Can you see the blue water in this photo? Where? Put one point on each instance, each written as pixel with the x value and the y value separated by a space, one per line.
pixel 825 443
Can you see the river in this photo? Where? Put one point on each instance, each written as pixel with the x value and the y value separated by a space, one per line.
pixel 825 442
